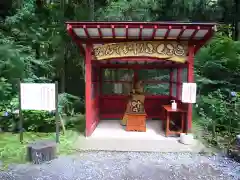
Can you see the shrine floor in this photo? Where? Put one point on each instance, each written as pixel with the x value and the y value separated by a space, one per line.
pixel 114 129
pixel 110 136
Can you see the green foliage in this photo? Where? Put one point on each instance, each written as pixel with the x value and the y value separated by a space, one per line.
pixel 5 89
pixel 18 58
pixel 124 10
pixel 218 65
pixel 76 122
pixel 217 68
pixel 220 109
pixel 38 121
pixel 68 102
pixel 34 46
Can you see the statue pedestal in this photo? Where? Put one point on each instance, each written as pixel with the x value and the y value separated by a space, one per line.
pixel 136 122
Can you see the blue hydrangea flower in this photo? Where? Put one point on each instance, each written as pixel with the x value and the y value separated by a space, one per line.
pixel 5 114
pixel 234 94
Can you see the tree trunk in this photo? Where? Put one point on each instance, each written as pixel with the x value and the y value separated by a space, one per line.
pixel 236 20
pixel 238 37
pixel 19 4
pixel 92 9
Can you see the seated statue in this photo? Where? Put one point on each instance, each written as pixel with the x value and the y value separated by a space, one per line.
pixel 135 102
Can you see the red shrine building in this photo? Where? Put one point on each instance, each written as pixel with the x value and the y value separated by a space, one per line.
pixel 118 54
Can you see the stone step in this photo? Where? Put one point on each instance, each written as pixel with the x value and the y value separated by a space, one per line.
pixel 117 144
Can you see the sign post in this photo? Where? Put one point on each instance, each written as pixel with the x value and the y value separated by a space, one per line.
pixel 57 113
pixel 20 125
pixel 38 96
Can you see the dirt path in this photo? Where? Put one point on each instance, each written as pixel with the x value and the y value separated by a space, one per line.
pixel 128 166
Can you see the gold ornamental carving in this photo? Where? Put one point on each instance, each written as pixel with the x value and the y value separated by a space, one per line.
pixel 169 50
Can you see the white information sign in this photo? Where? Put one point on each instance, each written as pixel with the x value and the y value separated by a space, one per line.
pixel 38 96
pixel 189 92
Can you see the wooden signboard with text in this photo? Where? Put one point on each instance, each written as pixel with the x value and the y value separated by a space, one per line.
pixel 136 104
pixel 136 116
pixel 170 50
pixel 38 96
pixel 189 92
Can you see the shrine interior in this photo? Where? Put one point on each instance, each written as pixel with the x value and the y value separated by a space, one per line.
pixel 115 83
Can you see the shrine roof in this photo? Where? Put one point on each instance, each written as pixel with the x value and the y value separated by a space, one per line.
pixel 95 31
pixel 112 32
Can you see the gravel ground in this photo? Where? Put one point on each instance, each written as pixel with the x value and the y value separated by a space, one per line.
pixel 128 166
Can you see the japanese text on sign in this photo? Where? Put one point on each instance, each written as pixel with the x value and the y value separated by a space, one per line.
pixel 38 96
pixel 189 92
pixel 172 51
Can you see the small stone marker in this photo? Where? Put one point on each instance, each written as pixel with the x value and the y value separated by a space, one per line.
pixel 41 151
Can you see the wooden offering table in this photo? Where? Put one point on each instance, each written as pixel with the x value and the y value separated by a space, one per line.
pixel 136 122
pixel 168 109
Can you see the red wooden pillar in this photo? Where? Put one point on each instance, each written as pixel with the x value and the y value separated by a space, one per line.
pixel 171 83
pixel 97 96
pixel 100 85
pixel 100 80
pixel 90 121
pixel 190 76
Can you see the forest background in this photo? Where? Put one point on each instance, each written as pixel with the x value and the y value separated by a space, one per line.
pixel 35 47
